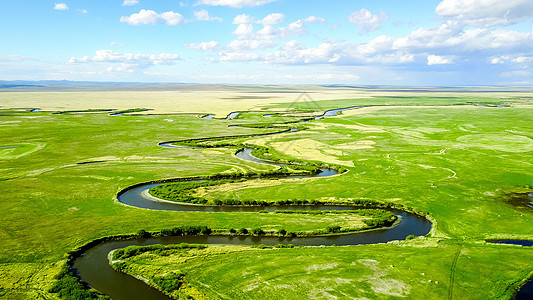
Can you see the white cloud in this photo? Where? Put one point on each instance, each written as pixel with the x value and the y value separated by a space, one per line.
pixel 172 18
pixel 203 15
pixel 249 39
pixel 60 6
pixel 366 21
pixel 151 17
pixel 447 43
pixel 442 44
pixel 243 30
pixel 438 60
pixel 128 61
pixel 206 46
pixel 142 17
pixel 272 19
pixel 314 19
pixel 497 60
pixel 290 53
pixel 130 2
pixel 517 59
pixel 242 45
pixel 486 13
pixel 522 59
pixel 238 56
pixel 234 3
pixel 243 19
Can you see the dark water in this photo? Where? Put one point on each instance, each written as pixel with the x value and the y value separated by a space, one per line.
pixel 526 291
pixel 513 242
pixel 35 110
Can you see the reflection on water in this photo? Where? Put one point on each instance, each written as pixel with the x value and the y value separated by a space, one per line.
pixel 334 112
pixel 233 115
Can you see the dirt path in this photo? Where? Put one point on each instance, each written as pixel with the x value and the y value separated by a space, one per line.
pixel 452 274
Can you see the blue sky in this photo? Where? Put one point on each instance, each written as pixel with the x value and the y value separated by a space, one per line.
pixel 439 43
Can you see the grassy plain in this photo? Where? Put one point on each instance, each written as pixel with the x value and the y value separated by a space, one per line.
pixel 442 153
pixel 414 269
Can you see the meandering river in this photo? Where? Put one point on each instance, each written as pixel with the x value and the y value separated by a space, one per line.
pixel 94 269
pixel 92 266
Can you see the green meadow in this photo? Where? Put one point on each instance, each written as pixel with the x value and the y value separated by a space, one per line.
pixel 461 158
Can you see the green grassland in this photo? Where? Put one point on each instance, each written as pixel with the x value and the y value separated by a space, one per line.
pixel 453 161
pixel 415 269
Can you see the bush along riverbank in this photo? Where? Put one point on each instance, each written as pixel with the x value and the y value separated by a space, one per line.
pixel 269 154
pixel 259 152
pixel 173 284
pixel 69 286
pixel 207 142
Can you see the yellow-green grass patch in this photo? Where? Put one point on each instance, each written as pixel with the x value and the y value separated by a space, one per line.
pixel 14 151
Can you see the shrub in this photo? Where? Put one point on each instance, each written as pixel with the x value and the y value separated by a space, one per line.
pixel 69 287
pixel 169 282
pixel 333 229
pixel 143 234
pixel 257 231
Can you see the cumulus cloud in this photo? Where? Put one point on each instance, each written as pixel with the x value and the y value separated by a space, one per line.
pixel 438 60
pixel 486 13
pixel 172 18
pixel 203 15
pixel 243 30
pixel 128 61
pixel 234 3
pixel 243 19
pixel 206 46
pixel 150 17
pixel 267 37
pixel 264 40
pixel 518 59
pixel 60 6
pixel 242 45
pixel 130 2
pixel 444 44
pixel 366 21
pixel 272 19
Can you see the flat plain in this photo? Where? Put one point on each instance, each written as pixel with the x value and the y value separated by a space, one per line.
pixel 457 156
